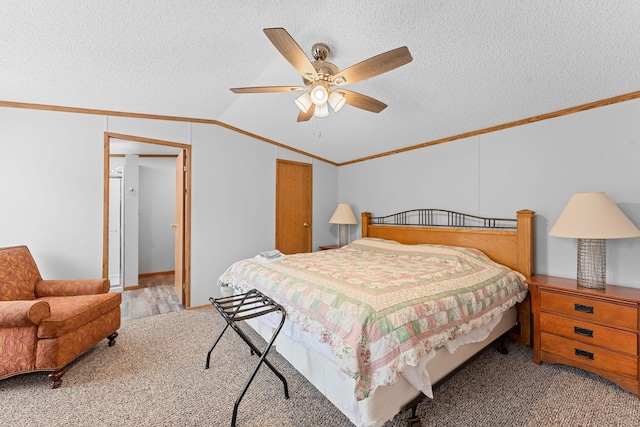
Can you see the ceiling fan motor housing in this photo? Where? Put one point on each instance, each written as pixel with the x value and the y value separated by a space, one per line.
pixel 320 51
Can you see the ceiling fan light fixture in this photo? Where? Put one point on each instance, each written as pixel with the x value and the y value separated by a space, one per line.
pixel 304 102
pixel 319 95
pixel 321 110
pixel 337 101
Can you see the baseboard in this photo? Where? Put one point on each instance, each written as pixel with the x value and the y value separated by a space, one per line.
pixel 199 306
pixel 157 273
pixel 131 288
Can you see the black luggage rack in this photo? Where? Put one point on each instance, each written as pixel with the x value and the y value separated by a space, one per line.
pixel 245 306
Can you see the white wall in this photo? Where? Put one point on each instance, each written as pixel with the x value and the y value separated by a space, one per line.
pixel 233 203
pixel 325 201
pixel 157 212
pixel 51 170
pixel 536 166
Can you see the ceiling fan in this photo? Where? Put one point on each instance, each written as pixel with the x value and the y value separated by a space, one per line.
pixel 323 81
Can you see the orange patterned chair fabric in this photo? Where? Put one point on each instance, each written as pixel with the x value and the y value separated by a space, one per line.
pixel 46 324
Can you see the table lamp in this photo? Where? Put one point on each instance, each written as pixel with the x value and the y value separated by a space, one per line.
pixel 343 216
pixel 591 218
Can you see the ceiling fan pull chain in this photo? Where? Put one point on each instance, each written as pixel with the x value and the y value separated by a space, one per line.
pixel 314 128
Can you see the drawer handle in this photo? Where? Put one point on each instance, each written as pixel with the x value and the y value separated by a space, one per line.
pixel 583 308
pixel 583 331
pixel 584 354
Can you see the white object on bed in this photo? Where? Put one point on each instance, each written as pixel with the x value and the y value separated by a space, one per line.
pixel 269 256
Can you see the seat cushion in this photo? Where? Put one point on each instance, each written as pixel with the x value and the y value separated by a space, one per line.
pixel 70 313
pixel 18 274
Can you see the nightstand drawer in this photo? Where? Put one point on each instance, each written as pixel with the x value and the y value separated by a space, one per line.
pixel 589 333
pixel 593 310
pixel 587 355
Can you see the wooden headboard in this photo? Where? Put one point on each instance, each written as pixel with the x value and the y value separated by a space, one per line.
pixel 510 245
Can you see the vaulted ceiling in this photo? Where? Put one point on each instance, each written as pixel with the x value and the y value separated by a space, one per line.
pixel 476 64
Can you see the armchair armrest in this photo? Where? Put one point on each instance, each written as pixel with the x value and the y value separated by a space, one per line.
pixel 67 288
pixel 23 313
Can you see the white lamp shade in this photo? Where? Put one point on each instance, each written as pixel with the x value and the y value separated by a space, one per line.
pixel 593 216
pixel 319 95
pixel 337 101
pixel 304 102
pixel 321 110
pixel 343 215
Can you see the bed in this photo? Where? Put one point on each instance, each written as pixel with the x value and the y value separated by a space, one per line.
pixel 351 327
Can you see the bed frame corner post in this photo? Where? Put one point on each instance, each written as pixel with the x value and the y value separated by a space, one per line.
pixel 525 266
pixel 366 219
pixel 525 241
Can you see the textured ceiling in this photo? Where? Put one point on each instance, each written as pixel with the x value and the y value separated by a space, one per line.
pixel 476 64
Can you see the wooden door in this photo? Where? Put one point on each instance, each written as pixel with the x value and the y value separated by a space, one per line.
pixel 179 226
pixel 293 207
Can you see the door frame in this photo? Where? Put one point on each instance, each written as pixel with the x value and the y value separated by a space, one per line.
pixel 187 204
pixel 178 226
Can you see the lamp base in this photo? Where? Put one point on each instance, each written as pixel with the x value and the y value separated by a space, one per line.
pixel 592 263
pixel 344 234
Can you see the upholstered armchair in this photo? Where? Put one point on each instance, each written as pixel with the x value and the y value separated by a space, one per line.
pixel 46 324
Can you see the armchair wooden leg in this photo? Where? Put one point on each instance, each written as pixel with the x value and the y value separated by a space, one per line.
pixel 56 377
pixel 112 339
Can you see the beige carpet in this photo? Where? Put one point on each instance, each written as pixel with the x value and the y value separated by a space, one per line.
pixel 155 376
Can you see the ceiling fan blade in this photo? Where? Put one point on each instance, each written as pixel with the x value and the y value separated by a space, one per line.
pixel 303 117
pixel 364 102
pixel 267 89
pixel 292 52
pixel 374 66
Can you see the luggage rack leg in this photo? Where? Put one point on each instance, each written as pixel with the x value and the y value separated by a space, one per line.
pixel 242 307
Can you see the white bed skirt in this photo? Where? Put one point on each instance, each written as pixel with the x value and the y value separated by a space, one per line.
pixel 315 361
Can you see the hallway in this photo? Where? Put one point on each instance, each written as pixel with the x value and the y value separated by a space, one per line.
pixel 155 295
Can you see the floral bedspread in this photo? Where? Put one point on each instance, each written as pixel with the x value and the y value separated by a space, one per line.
pixel 382 305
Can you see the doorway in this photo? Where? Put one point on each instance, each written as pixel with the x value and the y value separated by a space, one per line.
pixel 136 147
pixel 293 206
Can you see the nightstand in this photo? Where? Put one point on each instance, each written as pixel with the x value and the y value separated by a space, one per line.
pixel 327 247
pixel 592 329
